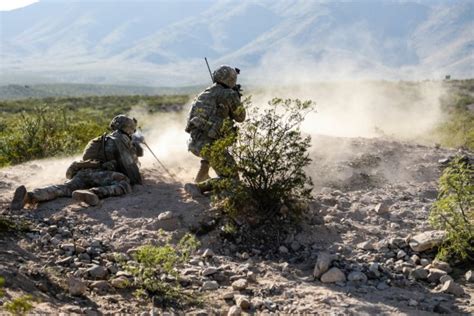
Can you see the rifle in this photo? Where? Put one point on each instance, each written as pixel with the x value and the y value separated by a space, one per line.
pixel 138 137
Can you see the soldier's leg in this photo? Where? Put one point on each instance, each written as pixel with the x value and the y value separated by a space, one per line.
pixel 22 197
pixel 203 172
pixel 227 170
pixel 103 184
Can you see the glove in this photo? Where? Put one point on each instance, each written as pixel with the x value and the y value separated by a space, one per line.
pixel 238 88
pixel 138 138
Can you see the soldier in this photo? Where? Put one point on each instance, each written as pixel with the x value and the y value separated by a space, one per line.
pixel 210 109
pixel 108 168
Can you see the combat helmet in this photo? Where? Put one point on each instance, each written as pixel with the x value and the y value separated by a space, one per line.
pixel 226 75
pixel 124 123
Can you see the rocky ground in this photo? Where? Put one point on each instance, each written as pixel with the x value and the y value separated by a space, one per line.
pixel 364 247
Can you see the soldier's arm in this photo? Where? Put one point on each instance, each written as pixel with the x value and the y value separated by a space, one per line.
pixel 111 154
pixel 138 149
pixel 237 110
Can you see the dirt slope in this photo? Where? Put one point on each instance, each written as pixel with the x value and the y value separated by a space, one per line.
pixel 371 195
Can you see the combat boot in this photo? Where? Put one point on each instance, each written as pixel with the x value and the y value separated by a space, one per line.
pixel 20 198
pixel 203 173
pixel 86 196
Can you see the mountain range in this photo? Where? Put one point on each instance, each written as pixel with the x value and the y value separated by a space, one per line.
pixel 163 43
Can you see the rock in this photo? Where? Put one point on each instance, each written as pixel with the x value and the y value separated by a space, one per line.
pixel 101 287
pixel 70 248
pixel 435 274
pixel 242 301
pixel 120 282
pixel 452 288
pixel 374 269
pixel 208 253
pixel 322 264
pixel 283 249
pixel 76 287
pixel 414 259
pixel 229 295
pixel 234 311
pixel 382 208
pixel 165 215
pixel 366 245
pixel 424 262
pixel 412 302
pixel 240 284
pixel 98 272
pixel 200 312
pixel 210 286
pixel 442 308
pixel 357 277
pixel 469 276
pixel 427 240
pixel 437 264
pixel 295 246
pixel 257 302
pixel 445 278
pixel 333 275
pixel 209 271
pixel 419 273
pixel 252 277
pixel 382 286
pixel 401 254
pixel 65 262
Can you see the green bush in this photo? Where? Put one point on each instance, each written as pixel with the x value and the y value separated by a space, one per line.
pixel 154 261
pixel 271 154
pixel 40 128
pixel 454 211
pixel 20 306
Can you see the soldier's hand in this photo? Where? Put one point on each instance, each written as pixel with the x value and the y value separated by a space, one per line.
pixel 238 88
pixel 138 138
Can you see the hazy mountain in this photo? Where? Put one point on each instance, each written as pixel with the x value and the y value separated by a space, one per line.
pixel 164 42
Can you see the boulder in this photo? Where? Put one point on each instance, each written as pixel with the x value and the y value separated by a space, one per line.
pixel 234 311
pixel 322 264
pixel 357 277
pixel 242 301
pixel 435 274
pixel 240 284
pixel 76 287
pixel 437 264
pixel 98 272
pixel 427 240
pixel 333 275
pixel 209 271
pixel 419 273
pixel 452 287
pixel 210 286
pixel 469 276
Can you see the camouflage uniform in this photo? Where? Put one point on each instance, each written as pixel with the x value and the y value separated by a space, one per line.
pixel 106 173
pixel 210 109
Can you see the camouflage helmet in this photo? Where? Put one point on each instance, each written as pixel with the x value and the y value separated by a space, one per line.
pixel 124 123
pixel 226 75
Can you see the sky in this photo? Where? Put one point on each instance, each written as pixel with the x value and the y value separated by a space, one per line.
pixel 7 5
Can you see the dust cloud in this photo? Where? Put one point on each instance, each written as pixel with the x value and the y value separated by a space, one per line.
pixel 360 107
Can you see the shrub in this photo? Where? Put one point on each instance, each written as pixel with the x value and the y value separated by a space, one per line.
pixel 20 306
pixel 154 261
pixel 454 211
pixel 271 154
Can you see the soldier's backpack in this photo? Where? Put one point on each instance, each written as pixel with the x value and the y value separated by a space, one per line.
pixel 95 149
